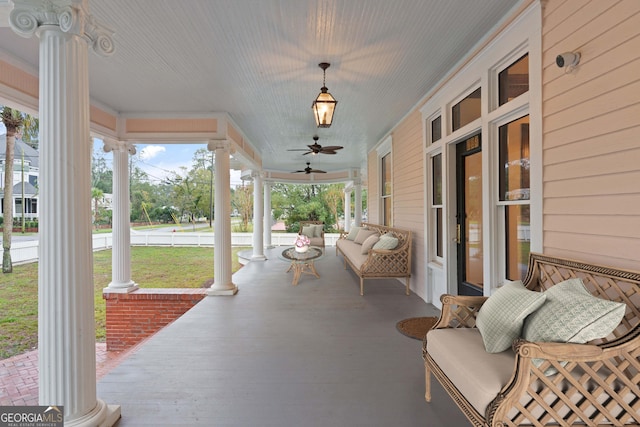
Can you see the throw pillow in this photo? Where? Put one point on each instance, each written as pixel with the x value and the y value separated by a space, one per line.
pixel 317 230
pixel 308 230
pixel 368 243
pixel 573 314
pixel 353 233
pixel 363 234
pixel 387 241
pixel 502 315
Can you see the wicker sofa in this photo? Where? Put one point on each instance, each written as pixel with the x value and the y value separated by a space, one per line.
pixel 314 230
pixel 542 383
pixel 377 263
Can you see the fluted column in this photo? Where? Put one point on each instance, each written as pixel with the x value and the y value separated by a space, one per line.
pixel 267 215
pixel 347 209
pixel 121 250
pixel 357 211
pixel 222 284
pixel 258 220
pixel 66 324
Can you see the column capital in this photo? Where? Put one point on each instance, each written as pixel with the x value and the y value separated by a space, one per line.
pixel 118 146
pixel 71 16
pixel 220 144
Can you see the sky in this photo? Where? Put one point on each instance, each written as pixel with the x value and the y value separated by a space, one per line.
pixel 159 161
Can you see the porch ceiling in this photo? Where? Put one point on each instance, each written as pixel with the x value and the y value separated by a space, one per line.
pixel 258 62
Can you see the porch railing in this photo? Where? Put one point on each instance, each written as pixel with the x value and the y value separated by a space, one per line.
pixel 25 252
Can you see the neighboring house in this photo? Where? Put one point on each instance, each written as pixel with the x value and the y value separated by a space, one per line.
pixel 24 157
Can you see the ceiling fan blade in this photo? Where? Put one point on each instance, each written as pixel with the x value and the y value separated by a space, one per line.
pixel 309 152
pixel 317 171
pixel 328 152
pixel 332 148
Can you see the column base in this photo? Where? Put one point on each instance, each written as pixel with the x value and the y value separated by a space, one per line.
pixel 270 246
pixel 102 415
pixel 121 288
pixel 218 292
pixel 258 258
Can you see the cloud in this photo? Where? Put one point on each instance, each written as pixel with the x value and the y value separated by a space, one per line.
pixel 151 151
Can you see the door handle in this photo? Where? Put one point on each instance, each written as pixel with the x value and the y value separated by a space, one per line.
pixel 458 233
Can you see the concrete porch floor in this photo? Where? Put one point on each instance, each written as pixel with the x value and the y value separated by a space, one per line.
pixel 315 354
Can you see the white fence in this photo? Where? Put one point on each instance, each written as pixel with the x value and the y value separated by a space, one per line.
pixel 24 252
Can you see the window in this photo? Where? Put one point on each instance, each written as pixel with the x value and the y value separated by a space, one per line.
pixel 436 129
pixel 467 110
pixel 436 204
pixel 513 81
pixel 514 190
pixel 386 191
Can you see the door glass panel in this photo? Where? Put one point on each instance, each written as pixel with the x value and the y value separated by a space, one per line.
pixel 473 218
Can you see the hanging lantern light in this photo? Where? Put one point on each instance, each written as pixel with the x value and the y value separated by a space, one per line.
pixel 325 104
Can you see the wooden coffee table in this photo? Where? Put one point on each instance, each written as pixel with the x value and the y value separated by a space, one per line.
pixel 302 262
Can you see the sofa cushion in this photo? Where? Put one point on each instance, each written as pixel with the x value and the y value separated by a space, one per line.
pixel 387 241
pixel 353 233
pixel 353 252
pixel 308 230
pixel 502 315
pixel 369 243
pixel 363 234
pixel 317 230
pixel 572 314
pixel 478 375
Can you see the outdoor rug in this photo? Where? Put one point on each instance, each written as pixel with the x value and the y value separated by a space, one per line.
pixel 416 327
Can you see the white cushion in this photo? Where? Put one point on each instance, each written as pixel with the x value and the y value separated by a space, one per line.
pixel 387 241
pixel 572 314
pixel 353 233
pixel 502 315
pixel 368 243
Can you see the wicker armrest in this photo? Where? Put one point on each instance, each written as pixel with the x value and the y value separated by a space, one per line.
pixel 459 311
pixel 567 352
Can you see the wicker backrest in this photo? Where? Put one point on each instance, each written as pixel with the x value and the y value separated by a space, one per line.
pixel 403 236
pixel 603 282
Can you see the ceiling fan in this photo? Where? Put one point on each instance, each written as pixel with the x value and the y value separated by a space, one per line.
pixel 316 148
pixel 309 170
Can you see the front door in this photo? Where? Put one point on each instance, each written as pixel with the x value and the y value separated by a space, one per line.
pixel 469 215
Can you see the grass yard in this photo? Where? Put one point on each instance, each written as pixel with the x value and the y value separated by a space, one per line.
pixel 151 267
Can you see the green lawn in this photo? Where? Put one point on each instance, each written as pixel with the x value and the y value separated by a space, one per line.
pixel 151 267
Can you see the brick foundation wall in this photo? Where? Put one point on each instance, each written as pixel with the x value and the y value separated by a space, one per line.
pixel 137 315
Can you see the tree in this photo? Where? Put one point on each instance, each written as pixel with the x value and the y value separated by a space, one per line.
pixel 12 120
pixel 96 195
pixel 243 202
pixel 333 195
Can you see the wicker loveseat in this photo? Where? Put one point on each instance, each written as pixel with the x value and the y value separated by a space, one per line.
pixel 377 263
pixel 594 384
pixel 314 230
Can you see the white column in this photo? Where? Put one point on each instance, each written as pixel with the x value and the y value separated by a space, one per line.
pixel 267 215
pixel 258 220
pixel 347 209
pixel 222 284
pixel 121 250
pixel 66 324
pixel 357 211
